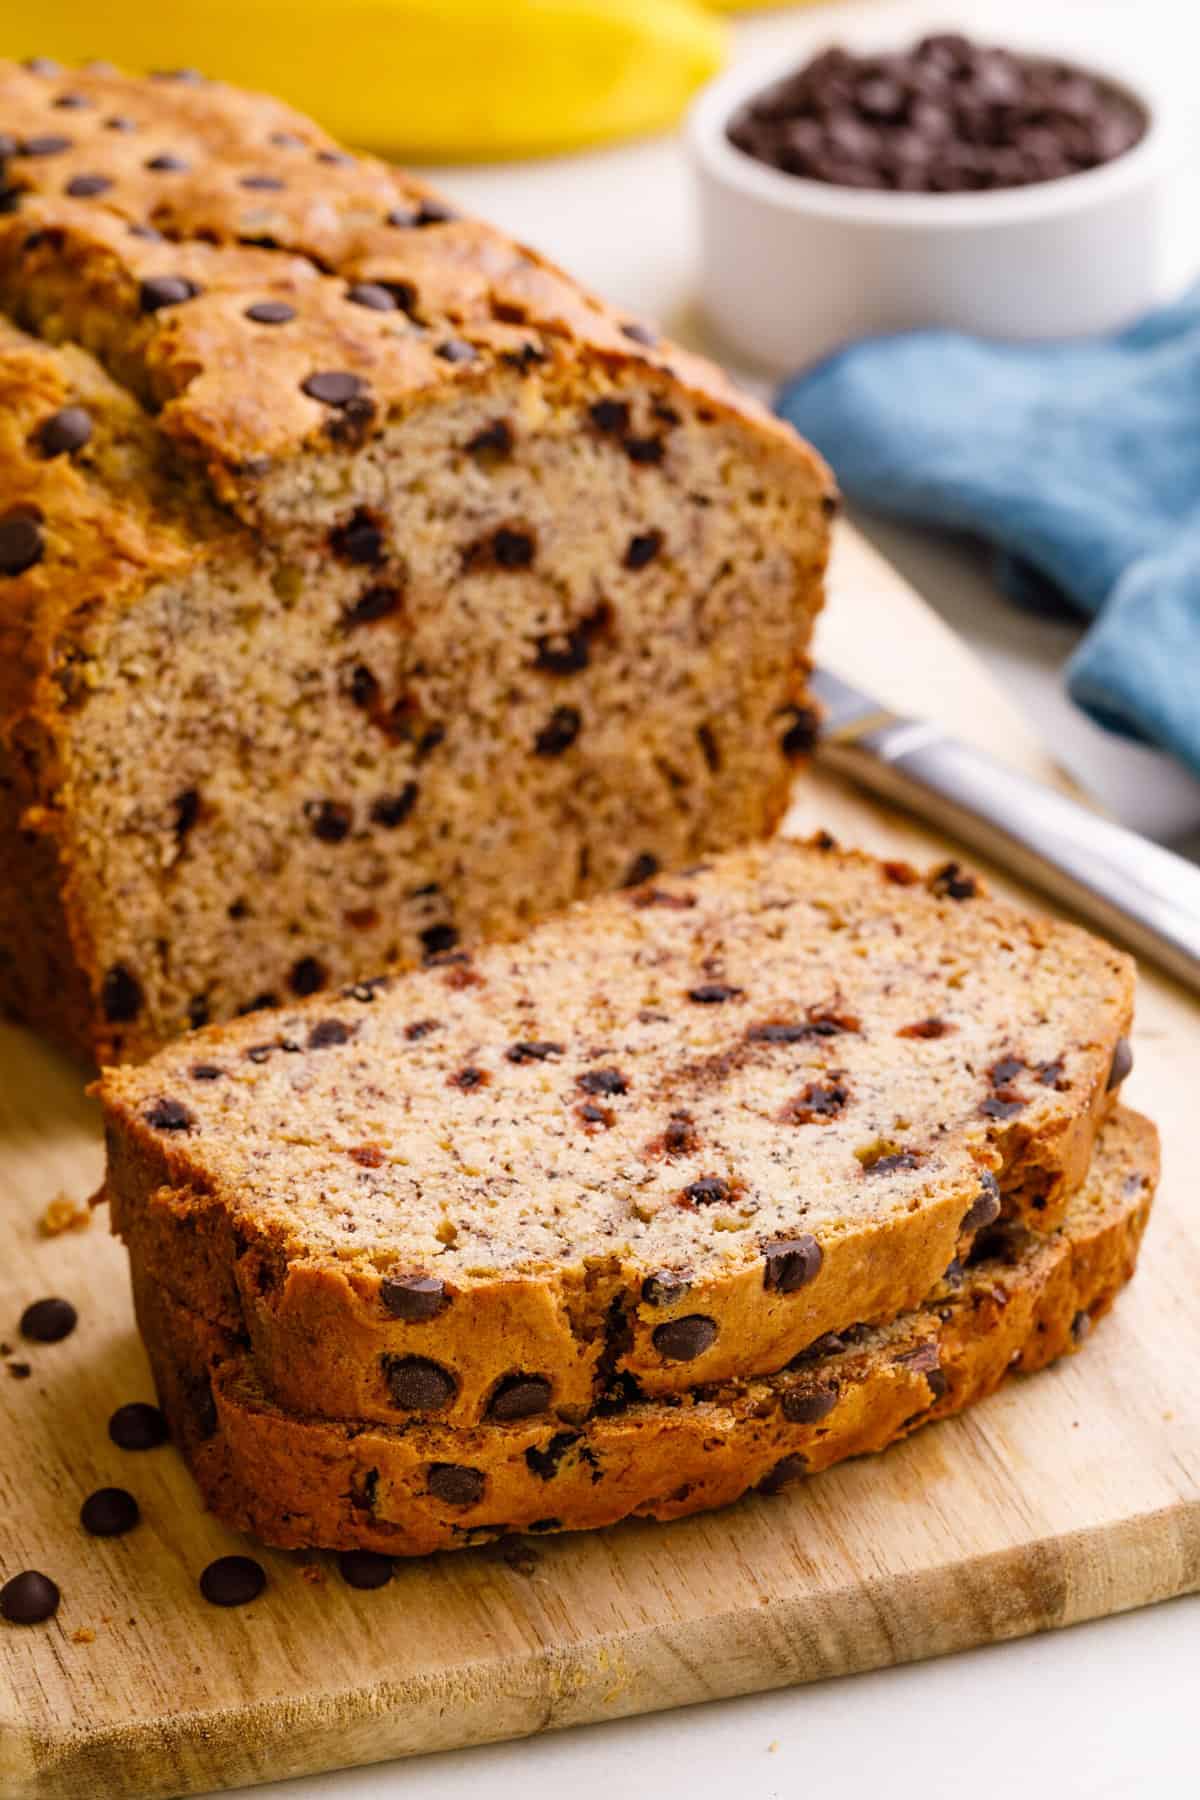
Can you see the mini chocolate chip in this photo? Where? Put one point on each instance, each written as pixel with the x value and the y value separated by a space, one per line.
pixel 205 1072
pixel 434 212
pixel 791 1263
pixel 710 1190
pixel 416 1384
pixel 495 439
pixel 333 387
pixel 786 1471
pixel 644 450
pixel 365 1568
pixel 643 549
pixel 336 158
pixel 437 939
pixel 802 734
pixel 29 1598
pixel 519 1397
pixel 665 1287
pixel 413 1298
pixel 159 291
pixel 642 868
pixel 1122 1063
pixel 639 334
pixel 455 1484
pixel 262 183
pixel 468 1079
pixel 169 1115
pixel 197 1012
pixel 559 732
pixel 376 603
pixel 121 996
pixel 456 350
pixel 986 1209
pixel 21 544
pixel 371 294
pixel 512 549
pixel 232 1581
pixel 86 187
pixel 420 1028
pixel 359 540
pixel 602 1081
pixel 329 820
pixel 950 882
pixel 48 1321
pixel 609 415
pixel 995 1108
pixel 48 145
pixel 167 163
pixel 807 1406
pixel 73 103
pixel 146 232
pixel 1005 1070
pixel 714 993
pixel 64 431
pixel 529 1050
pixel 138 1426
pixel 1081 1324
pixel 259 1053
pixel 186 808
pixel 891 1163
pixel 308 976
pixel 119 122
pixel 681 1340
pixel 391 810
pixel 109 1512
pixel 328 1032
pixel 271 312
pixel 937 1382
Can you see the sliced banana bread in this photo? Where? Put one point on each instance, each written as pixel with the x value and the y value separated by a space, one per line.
pixel 676 1134
pixel 364 583
pixel 294 1480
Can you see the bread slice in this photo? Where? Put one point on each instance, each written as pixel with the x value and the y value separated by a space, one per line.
pixel 296 1480
pixel 676 1134
pixel 364 583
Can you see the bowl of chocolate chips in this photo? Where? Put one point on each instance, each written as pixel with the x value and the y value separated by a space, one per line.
pixel 1008 192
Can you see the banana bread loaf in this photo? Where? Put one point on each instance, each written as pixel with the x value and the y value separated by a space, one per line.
pixel 294 1480
pixel 674 1135
pixel 364 583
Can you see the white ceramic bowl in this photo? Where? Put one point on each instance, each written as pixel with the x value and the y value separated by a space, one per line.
pixel 793 268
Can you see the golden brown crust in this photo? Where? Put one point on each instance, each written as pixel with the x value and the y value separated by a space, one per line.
pixel 301 1184
pixel 300 1481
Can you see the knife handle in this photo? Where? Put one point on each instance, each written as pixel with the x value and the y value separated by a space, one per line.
pixel 1131 888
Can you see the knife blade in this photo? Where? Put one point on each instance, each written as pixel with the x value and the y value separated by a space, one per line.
pixel 1131 888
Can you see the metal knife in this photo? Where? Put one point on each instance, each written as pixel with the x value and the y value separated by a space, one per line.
pixel 1132 889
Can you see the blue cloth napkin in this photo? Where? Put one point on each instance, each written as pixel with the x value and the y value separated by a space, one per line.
pixel 1079 461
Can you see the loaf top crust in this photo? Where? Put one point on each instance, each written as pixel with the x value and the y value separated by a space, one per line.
pixel 266 291
pixel 790 1040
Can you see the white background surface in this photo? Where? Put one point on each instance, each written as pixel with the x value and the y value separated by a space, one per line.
pixel 1108 1710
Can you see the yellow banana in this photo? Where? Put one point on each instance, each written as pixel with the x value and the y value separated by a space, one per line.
pixel 423 78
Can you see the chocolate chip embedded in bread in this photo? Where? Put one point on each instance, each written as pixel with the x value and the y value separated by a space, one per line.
pixel 365 1569
pixel 87 187
pixel 456 1484
pixel 22 544
pixel 602 1081
pixel 160 291
pixel 333 387
pixel 121 996
pixel 681 1340
pixel 271 312
pixel 787 1470
pixel 803 734
pixel 307 976
pixel 48 1321
pixel 232 1581
pixel 413 1298
pixel 714 993
pixel 417 1384
pixel 65 431
pixel 534 1050
pixel 951 882
pixel 559 732
pixel 1122 1063
pixel 1081 1324
pixel 166 1114
pixel 808 1406
pixel 665 1287
pixel 29 1598
pixel 327 1033
pixel 791 1263
pixel 986 1209
pixel 642 549
pixel 109 1512
pixel 519 1397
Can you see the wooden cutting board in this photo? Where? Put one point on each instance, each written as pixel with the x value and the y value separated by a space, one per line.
pixel 1071 1494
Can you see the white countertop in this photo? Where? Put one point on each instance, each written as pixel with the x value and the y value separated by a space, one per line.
pixel 1104 1710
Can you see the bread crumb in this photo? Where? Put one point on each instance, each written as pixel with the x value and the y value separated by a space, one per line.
pixel 313 1573
pixel 773 1746
pixel 62 1215
pixel 83 1634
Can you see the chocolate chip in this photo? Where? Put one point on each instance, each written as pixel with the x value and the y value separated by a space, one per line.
pixel 786 1471
pixel 413 1298
pixel 950 882
pixel 610 415
pixel 455 1484
pixel 891 1162
pixel 714 993
pixel 512 549
pixel 665 1287
pixel 109 1512
pixel 29 1598
pixel 373 295
pixel 335 158
pixel 602 1081
pixel 996 1108
pixel 802 735
pixel 495 439
pixel 205 1072
pixel 807 1406
pixel 48 145
pixel 329 820
pixel 643 868
pixel 417 1384
pixel 308 976
pixel 1081 1324
pixel 434 212
pixel 328 1032
pixel 456 350
pixel 21 543
pixel 64 431
pixel 642 549
pixel 138 1426
pixel 1122 1063
pixel 529 1050
pixel 271 312
pixel 333 387
pixel 159 291
pixel 791 1263
pixel 119 122
pixel 468 1079
pixel 681 1340
pixel 262 183
pixel 816 1103
pixel 639 334
pixel 86 187
pixel 365 1568
pixel 559 732
pixel 710 1190
pixel 232 1581
pixel 986 1209
pixel 644 450
pixel 169 1115
pixel 167 163
pixel 519 1397
pixel 359 540
pixel 48 1321
pixel 437 939
pixel 391 810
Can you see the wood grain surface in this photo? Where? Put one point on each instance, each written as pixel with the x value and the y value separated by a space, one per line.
pixel 1071 1494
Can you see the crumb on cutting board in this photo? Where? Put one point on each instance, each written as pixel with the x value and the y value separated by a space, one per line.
pixel 63 1214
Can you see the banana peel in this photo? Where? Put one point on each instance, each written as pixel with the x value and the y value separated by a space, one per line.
pixel 423 79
